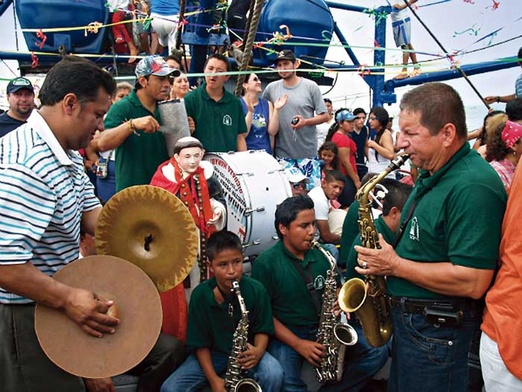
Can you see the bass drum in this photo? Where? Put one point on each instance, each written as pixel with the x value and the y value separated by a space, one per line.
pixel 253 184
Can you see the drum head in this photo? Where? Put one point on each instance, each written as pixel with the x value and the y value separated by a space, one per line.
pixel 253 184
pixel 138 307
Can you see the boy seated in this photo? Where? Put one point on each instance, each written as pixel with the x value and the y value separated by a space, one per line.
pixel 214 313
pixel 387 224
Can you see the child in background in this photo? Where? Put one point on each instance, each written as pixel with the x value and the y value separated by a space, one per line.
pixel 329 154
pixel 213 316
pixel 118 9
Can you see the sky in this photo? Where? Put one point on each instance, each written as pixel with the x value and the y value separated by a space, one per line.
pixel 459 25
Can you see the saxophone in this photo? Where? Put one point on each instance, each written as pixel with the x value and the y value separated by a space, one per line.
pixel 332 333
pixel 368 299
pixel 234 382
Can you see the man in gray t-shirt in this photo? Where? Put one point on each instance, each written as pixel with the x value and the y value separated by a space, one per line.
pixel 296 141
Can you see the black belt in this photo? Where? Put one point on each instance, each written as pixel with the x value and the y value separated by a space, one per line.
pixel 410 305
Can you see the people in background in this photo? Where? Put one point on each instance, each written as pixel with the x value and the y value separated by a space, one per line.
pixel 165 18
pixel 322 129
pixel 118 11
pixel 212 104
pixel 360 135
pixel 329 154
pixel 380 150
pixel 296 141
pixel 261 115
pixel 298 181
pixel 503 148
pixel 401 25
pixel 20 96
pixel 106 163
pixel 347 151
pixel 133 124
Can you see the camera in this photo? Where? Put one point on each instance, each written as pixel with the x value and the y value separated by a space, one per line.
pixel 102 170
pixel 295 120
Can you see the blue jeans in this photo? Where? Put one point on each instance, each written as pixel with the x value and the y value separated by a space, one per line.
pixel 361 362
pixel 430 358
pixel 106 187
pixel 189 376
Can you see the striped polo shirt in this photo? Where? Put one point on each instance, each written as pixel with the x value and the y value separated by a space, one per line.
pixel 43 192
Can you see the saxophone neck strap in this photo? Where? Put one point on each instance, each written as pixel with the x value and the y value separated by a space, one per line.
pixel 405 223
pixel 306 276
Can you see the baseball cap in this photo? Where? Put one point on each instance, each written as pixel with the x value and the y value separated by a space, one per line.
pixel 18 84
pixel 285 55
pixel 155 65
pixel 344 115
pixel 294 175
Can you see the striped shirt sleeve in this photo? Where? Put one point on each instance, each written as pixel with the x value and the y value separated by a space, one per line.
pixel 26 209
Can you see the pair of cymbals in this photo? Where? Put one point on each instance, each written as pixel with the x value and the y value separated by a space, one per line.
pixel 147 242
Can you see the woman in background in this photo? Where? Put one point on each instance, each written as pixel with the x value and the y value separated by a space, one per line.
pixel 347 152
pixel 503 147
pixel 380 151
pixel 480 134
pixel 261 116
pixel 180 87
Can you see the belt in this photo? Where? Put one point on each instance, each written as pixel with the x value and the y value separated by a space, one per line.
pixel 400 22
pixel 410 305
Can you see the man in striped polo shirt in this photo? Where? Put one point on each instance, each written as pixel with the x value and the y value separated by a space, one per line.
pixel 45 199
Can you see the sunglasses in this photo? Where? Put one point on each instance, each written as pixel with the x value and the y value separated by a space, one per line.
pixel 298 185
pixel 254 79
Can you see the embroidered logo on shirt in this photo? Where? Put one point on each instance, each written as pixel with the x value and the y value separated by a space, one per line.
pixel 414 230
pixel 319 282
pixel 227 120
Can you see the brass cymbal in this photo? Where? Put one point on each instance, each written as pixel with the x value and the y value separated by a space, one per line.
pixel 151 228
pixel 136 302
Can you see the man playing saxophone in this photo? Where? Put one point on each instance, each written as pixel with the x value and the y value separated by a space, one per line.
pixel 447 245
pixel 214 313
pixel 297 305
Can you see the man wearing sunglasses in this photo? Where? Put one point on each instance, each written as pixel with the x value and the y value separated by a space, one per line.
pixel 298 181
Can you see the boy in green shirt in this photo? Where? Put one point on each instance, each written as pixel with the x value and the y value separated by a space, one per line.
pixel 296 312
pixel 214 313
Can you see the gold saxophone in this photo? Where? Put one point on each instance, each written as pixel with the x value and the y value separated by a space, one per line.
pixel 234 380
pixel 332 333
pixel 368 298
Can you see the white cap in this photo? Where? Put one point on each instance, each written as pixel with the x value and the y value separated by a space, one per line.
pixel 294 175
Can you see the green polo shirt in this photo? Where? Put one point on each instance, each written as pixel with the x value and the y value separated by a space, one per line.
pixel 210 324
pixel 138 157
pixel 217 123
pixel 457 218
pixel 351 260
pixel 291 301
pixel 349 233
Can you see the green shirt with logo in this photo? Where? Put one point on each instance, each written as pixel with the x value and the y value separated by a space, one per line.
pixel 138 157
pixel 217 123
pixel 457 218
pixel 212 325
pixel 292 303
pixel 351 260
